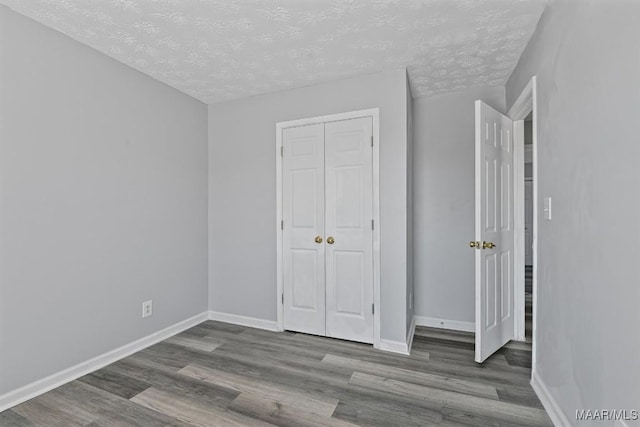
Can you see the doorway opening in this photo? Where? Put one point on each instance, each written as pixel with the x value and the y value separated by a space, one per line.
pixel 506 223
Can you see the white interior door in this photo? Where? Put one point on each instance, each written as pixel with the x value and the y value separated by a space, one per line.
pixel 494 231
pixel 528 222
pixel 303 211
pixel 349 229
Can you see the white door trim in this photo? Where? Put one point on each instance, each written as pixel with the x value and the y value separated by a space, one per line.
pixel 375 114
pixel 525 104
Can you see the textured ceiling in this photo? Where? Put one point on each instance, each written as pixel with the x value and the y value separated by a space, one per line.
pixel 219 50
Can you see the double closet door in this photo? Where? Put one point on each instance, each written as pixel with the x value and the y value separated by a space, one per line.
pixel 328 229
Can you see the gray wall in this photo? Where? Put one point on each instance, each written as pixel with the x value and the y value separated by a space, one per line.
pixel 242 192
pixel 587 62
pixel 444 180
pixel 103 203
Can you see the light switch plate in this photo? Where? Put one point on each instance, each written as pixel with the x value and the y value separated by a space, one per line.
pixel 547 208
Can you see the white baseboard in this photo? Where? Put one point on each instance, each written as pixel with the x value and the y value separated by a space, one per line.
pixel 410 333
pixel 394 346
pixel 251 322
pixel 552 407
pixel 454 325
pixel 38 387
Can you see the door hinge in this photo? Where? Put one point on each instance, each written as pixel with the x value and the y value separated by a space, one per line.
pixel 282 224
pixel 372 226
pixel 282 151
pixel 283 298
pixel 373 309
pixel 372 140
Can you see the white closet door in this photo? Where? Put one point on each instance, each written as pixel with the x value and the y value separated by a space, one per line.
pixel 303 215
pixel 349 243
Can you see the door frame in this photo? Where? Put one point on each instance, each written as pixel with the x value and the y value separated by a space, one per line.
pixel 528 179
pixel 374 113
pixel 525 104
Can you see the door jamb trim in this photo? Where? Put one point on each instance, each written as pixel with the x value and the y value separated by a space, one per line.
pixel 374 113
pixel 526 103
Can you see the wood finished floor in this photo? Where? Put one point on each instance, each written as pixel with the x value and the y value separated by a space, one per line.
pixel 220 374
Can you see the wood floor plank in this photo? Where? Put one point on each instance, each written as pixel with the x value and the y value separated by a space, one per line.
pixel 9 418
pixel 190 411
pixel 114 421
pixel 113 382
pixel 421 378
pixel 367 416
pixel 170 381
pixel 203 343
pixel 281 413
pixel 446 334
pixel 286 364
pixel 40 413
pixel 460 418
pixel 167 354
pixel 144 361
pixel 496 367
pixel 329 345
pixel 440 352
pixel 109 406
pixel 299 379
pixel 316 404
pixel 521 395
pixel 389 406
pixel 222 326
pixel 67 406
pixel 518 358
pixel 195 331
pixel 501 410
pixel 372 400
pixel 476 372
pixel 519 345
pixel 277 346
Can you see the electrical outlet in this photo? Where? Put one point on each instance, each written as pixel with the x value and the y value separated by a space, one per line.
pixel 147 308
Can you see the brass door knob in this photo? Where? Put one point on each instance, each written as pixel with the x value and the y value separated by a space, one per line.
pixel 318 239
pixel 330 240
pixel 488 245
pixel 473 244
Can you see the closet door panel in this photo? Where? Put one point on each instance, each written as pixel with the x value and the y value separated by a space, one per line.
pixel 349 212
pixel 303 213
